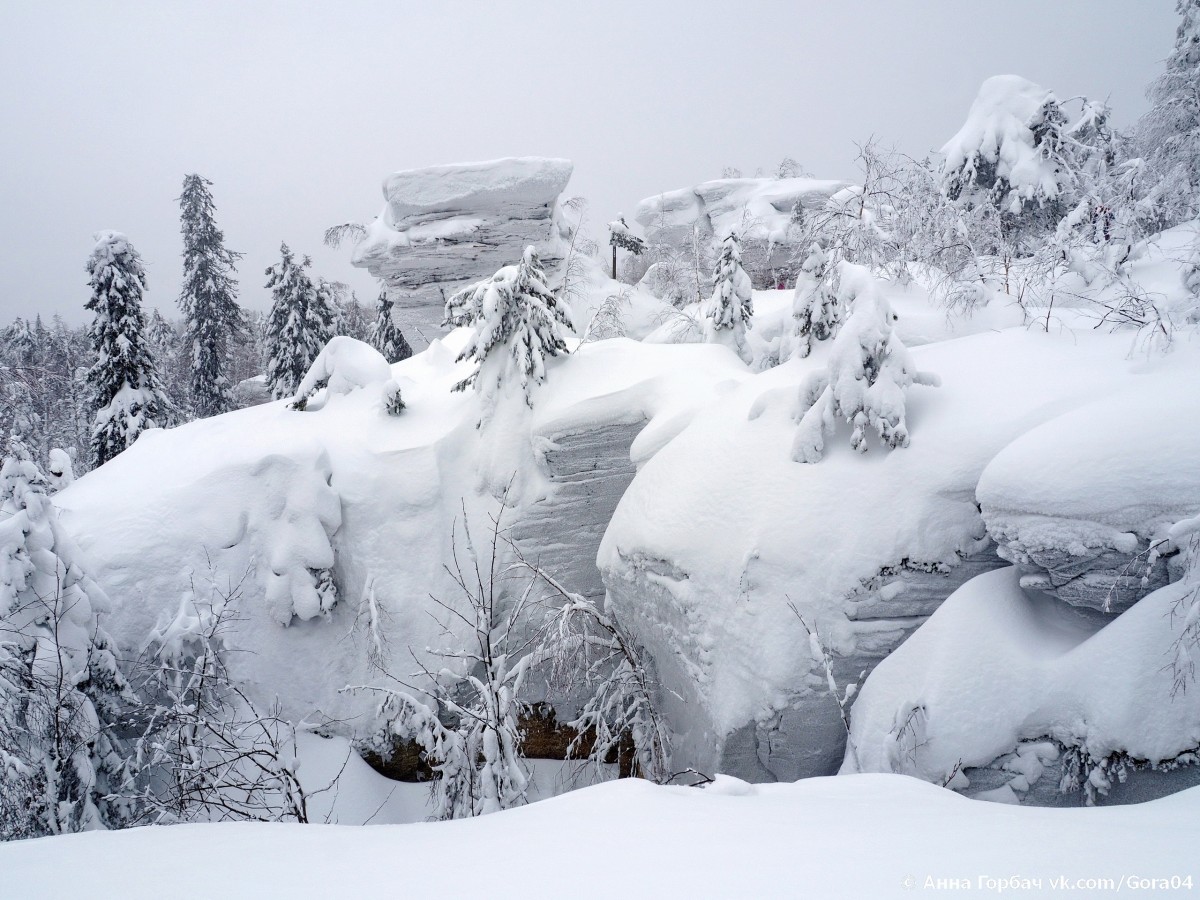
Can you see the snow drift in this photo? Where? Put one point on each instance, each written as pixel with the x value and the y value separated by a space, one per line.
pixel 729 840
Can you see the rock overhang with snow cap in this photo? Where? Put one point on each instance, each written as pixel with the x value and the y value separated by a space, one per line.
pixel 443 227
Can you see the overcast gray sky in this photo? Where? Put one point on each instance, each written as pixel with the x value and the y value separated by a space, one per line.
pixel 296 111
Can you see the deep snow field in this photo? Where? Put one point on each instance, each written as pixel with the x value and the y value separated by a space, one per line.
pixel 866 836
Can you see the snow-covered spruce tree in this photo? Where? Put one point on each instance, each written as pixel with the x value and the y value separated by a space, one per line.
pixel 1010 155
pixel 1169 132
pixel 868 374
pixel 300 324
pixel 61 690
pixel 731 306
pixel 126 392
pixel 816 310
pixel 208 299
pixel 386 336
pixel 516 321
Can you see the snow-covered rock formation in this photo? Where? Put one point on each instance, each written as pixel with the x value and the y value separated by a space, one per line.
pixel 1077 503
pixel 760 210
pixel 445 226
pixel 659 476
pixel 330 528
pixel 1009 692
pixel 720 529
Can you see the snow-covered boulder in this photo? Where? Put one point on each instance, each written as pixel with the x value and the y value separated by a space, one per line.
pixel 1009 693
pixel 732 204
pixel 445 226
pixel 1077 503
pixel 759 210
pixel 1002 694
pixel 721 528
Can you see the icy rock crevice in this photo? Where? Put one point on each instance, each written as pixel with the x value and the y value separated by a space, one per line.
pixel 589 469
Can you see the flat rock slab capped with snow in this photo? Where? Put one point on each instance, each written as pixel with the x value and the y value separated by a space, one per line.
pixel 1077 502
pixel 445 226
pixel 505 187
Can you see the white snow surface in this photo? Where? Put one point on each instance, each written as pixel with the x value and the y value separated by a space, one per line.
pixel 730 840
pixel 1127 463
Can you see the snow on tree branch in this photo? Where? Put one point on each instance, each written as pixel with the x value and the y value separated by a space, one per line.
pixel 517 324
pixel 867 378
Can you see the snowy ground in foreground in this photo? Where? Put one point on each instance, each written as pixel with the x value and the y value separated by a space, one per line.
pixel 863 836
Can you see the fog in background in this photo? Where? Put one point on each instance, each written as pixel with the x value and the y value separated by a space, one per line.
pixel 296 111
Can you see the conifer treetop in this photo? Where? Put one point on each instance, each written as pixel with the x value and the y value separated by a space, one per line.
pixel 208 298
pixel 517 323
pixel 126 392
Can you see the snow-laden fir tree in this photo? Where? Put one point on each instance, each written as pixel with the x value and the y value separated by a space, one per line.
pixel 516 324
pixel 867 377
pixel 324 310
pixel 61 691
pixel 731 306
pixel 354 320
pixel 816 310
pixel 300 325
pixel 208 299
pixel 1170 132
pixel 386 336
pixel 127 394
